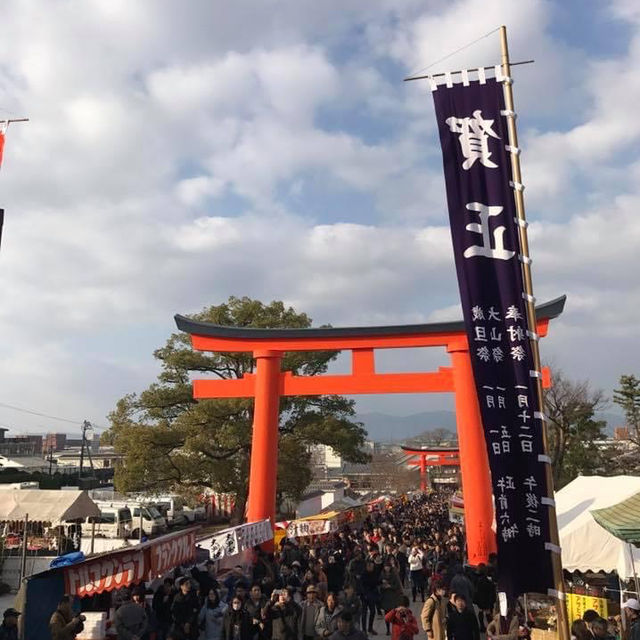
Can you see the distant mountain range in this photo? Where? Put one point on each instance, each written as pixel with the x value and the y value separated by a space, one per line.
pixel 382 427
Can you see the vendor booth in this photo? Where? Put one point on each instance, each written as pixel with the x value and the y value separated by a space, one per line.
pixel 93 580
pixel 318 525
pixel 52 520
pixel 592 511
pixel 586 545
pixel 622 520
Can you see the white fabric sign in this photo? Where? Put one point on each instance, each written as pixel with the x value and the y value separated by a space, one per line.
pixel 235 540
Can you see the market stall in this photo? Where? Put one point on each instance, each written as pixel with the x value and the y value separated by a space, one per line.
pixel 51 519
pixel 92 580
pixel 50 523
pixel 586 545
pixel 318 525
pixel 456 508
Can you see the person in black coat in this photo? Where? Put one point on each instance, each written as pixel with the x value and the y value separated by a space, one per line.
pixel 370 585
pixel 284 616
pixel 462 623
pixel 335 571
pixel 237 623
pixel 161 605
pixel 207 578
pixel 485 596
pixel 184 610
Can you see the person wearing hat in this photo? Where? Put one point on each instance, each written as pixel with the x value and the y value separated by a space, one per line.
pixel 310 611
pixel 9 626
pixel 632 611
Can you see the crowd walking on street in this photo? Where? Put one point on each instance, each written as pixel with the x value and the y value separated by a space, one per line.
pixel 400 574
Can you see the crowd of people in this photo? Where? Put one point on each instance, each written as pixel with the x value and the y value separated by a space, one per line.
pixel 336 587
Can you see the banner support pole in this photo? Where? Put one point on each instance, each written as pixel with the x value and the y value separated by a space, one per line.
pixel 561 608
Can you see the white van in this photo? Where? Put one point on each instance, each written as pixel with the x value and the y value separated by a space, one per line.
pixel 152 521
pixel 172 508
pixel 113 522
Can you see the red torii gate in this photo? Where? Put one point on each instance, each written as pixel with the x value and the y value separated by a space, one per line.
pixel 269 383
pixel 426 456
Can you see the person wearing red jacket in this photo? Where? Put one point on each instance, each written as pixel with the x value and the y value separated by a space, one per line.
pixel 403 623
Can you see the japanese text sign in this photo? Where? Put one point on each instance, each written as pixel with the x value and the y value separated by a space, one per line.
pixel 172 552
pixel 477 167
pixel 107 573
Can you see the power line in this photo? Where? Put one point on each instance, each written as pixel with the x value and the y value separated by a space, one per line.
pixel 33 412
pixel 453 53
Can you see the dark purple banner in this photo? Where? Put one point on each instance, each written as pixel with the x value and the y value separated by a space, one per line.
pixel 477 168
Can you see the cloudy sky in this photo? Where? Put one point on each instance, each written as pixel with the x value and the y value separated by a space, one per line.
pixel 182 152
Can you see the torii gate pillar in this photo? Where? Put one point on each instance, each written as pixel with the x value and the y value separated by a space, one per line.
pixel 474 460
pixel 264 443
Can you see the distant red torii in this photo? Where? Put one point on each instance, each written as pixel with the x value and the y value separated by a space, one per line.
pixel 431 457
pixel 269 384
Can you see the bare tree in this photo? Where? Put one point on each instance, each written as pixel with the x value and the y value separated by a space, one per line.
pixel 388 474
pixel 570 407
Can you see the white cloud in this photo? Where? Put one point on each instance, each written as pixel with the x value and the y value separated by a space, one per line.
pixel 178 155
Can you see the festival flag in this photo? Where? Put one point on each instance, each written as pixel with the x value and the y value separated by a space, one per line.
pixel 472 123
pixel 3 129
pixel 4 124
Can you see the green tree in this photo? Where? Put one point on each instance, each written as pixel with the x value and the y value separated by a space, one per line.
pixel 628 398
pixel 172 442
pixel 573 430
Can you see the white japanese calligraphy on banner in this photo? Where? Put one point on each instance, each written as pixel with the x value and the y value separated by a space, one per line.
pixel 235 540
pixel 105 574
pixel 173 552
pixel 473 129
pixel 301 528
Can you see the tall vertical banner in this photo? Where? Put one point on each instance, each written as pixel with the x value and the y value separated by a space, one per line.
pixel 475 147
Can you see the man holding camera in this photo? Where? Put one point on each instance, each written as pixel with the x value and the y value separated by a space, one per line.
pixel 63 624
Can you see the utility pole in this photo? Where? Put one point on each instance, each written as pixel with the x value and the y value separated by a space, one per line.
pixel 50 458
pixel 86 426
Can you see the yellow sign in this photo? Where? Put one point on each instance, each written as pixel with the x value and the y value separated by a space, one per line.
pixel 278 534
pixel 577 605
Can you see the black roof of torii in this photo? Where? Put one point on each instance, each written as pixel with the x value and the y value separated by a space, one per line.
pixel 546 311
pixel 425 448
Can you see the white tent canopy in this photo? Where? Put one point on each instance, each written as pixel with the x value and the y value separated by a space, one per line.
pixel 44 505
pixel 586 546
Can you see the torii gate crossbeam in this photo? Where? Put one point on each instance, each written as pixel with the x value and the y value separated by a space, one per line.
pixel 269 383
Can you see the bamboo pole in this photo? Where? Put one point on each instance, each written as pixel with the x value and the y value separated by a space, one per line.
pixel 633 567
pixel 561 609
pixel 440 75
pixel 23 562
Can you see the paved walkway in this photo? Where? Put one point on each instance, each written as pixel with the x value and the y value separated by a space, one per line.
pixel 416 608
